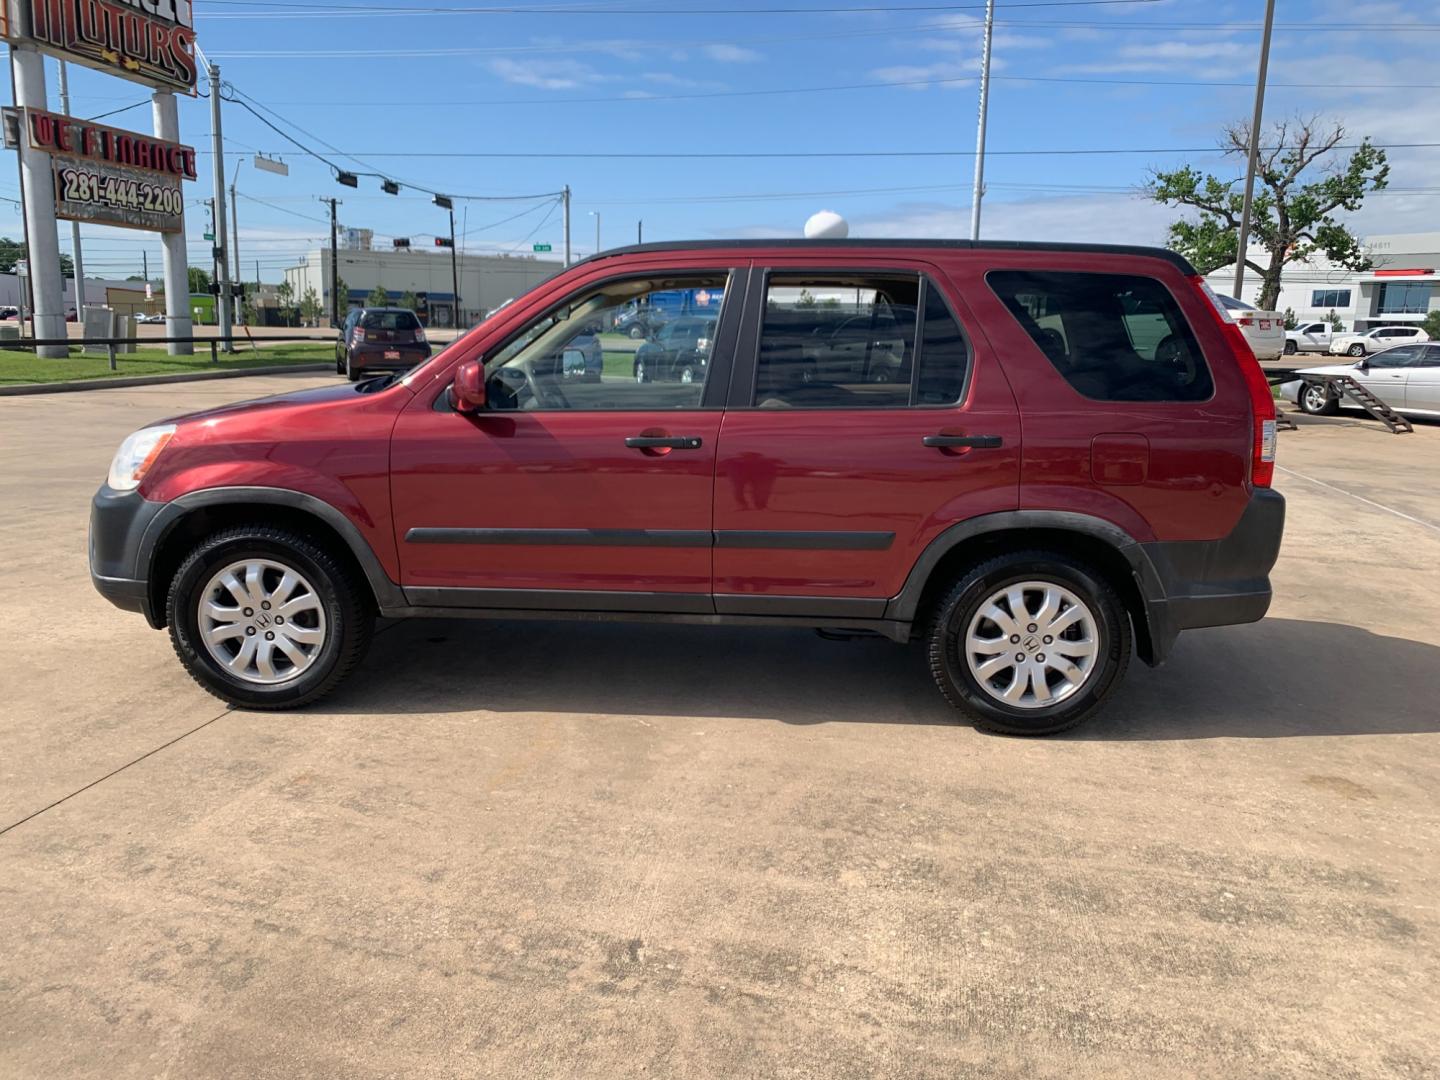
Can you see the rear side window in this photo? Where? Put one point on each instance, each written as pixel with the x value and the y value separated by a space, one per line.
pixel 390 320
pixel 1113 337
pixel 851 341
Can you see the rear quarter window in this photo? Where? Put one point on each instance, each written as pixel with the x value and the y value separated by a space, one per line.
pixel 1112 337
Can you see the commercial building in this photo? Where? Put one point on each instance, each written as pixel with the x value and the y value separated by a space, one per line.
pixel 1402 287
pixel 486 281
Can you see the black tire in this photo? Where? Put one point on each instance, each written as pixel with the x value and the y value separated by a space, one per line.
pixel 350 372
pixel 1291 348
pixel 641 370
pixel 953 615
pixel 1317 400
pixel 345 600
pixel 637 333
pixel 1356 350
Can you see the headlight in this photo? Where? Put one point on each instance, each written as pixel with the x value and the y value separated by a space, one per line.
pixel 136 454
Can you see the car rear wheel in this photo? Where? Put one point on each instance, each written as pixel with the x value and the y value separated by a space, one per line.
pixel 637 333
pixel 350 372
pixel 265 619
pixel 1029 643
pixel 1357 350
pixel 1290 348
pixel 1317 400
pixel 642 374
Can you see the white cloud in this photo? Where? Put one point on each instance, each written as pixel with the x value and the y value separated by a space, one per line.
pixel 545 74
pixel 920 75
pixel 1211 58
pixel 730 54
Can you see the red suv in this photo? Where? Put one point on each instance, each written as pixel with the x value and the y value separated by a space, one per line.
pixel 1033 458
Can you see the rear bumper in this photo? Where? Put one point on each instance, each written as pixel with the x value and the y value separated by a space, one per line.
pixel 372 357
pixel 1193 584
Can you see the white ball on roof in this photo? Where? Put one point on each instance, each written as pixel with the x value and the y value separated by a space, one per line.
pixel 826 225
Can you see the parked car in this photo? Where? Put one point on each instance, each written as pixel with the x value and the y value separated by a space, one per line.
pixel 1044 490
pixel 1405 377
pixel 1308 337
pixel 9 313
pixel 157 317
pixel 1365 342
pixel 680 352
pixel 584 356
pixel 379 340
pixel 1264 330
pixel 640 323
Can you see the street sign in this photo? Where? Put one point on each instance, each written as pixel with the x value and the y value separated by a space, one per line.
pixel 209 236
pixel 271 165
pixel 541 247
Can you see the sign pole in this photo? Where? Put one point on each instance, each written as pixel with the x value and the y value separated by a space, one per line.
pixel 224 307
pixel 454 269
pixel 77 257
pixel 176 266
pixel 42 240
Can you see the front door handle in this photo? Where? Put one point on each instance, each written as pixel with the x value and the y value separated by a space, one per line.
pixel 664 442
pixel 974 442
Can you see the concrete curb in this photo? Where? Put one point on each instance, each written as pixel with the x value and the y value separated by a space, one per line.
pixel 121 382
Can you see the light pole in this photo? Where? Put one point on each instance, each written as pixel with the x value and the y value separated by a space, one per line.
pixel 1243 240
pixel 640 231
pixel 596 215
pixel 978 192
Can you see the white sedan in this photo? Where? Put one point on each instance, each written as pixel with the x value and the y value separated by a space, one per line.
pixel 1407 378
pixel 1264 330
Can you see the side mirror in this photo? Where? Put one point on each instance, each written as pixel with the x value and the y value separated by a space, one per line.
pixel 1364 364
pixel 572 363
pixel 467 394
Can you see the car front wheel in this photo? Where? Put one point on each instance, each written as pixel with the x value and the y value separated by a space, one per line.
pixel 1029 643
pixel 263 618
pixel 1357 350
pixel 1317 400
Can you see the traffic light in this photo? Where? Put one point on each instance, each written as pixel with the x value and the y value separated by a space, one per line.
pixel 444 241
pixel 401 242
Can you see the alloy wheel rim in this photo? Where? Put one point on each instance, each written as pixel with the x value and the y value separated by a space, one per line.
pixel 262 621
pixel 1314 398
pixel 1032 645
pixel 639 370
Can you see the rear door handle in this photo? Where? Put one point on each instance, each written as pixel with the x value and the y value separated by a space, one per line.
pixel 974 442
pixel 668 442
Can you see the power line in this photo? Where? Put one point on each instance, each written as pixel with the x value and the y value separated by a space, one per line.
pixel 311 10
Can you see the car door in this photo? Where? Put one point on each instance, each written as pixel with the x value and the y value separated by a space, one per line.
pixel 1386 373
pixel 828 487
pixel 1315 338
pixel 1422 388
pixel 574 488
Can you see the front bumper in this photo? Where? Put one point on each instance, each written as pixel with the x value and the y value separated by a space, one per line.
pixel 1193 584
pixel 118 523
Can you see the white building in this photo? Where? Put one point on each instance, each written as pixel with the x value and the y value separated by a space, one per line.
pixel 1400 288
pixel 486 281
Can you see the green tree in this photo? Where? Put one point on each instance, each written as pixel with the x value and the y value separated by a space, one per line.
pixel 1337 323
pixel 378 298
pixel 12 251
pixel 807 300
pixel 310 306
pixel 410 300
pixel 1431 325
pixel 199 280
pixel 1296 197
pixel 1291 319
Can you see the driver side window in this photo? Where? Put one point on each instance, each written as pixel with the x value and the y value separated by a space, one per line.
pixel 629 344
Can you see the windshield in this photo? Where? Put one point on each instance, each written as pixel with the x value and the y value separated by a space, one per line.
pixel 390 320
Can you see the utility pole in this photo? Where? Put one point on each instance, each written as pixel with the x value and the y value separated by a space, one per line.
pixel 42 244
pixel 77 257
pixel 235 228
pixel 565 200
pixel 640 231
pixel 1243 240
pixel 334 263
pixel 144 268
pixel 978 191
pixel 222 258
pixel 178 323
pixel 454 267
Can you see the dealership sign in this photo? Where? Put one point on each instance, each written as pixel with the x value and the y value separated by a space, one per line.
pixel 146 41
pixel 113 177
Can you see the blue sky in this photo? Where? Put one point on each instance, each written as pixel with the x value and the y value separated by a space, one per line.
pixel 396 88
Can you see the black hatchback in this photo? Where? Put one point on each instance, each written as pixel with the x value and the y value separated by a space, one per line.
pixel 379 339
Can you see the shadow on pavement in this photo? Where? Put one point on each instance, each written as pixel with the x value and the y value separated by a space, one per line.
pixel 1279 677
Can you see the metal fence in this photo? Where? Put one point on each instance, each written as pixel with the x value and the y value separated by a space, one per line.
pixel 113 345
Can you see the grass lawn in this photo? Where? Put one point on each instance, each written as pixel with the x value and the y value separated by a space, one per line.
pixel 25 367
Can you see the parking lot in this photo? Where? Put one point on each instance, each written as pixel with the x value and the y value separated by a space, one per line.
pixel 572 849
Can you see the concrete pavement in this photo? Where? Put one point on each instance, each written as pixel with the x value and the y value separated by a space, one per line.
pixel 529 849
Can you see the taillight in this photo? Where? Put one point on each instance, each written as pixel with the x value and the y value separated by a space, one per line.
pixel 419 336
pixel 1262 402
pixel 358 334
